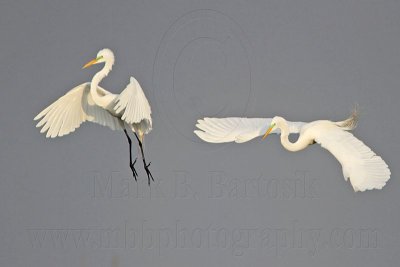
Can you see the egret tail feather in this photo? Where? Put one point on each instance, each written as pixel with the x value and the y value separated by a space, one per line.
pixel 351 122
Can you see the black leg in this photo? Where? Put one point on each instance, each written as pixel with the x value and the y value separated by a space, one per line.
pixel 146 166
pixel 131 164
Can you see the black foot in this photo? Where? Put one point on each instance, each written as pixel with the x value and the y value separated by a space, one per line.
pixel 132 165
pixel 149 175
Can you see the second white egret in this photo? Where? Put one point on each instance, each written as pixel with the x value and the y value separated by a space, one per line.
pixel 360 164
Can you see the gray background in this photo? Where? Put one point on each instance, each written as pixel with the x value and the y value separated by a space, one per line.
pixel 72 201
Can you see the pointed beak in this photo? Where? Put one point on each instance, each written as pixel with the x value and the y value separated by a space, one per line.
pixel 90 63
pixel 268 131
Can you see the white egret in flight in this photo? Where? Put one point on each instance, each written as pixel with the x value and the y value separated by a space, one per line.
pixel 90 102
pixel 365 169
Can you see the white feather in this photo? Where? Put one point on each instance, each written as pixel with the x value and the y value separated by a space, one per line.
pixel 133 106
pixel 68 112
pixel 365 169
pixel 235 129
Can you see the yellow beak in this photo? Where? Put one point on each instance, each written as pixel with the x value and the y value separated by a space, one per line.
pixel 268 131
pixel 90 63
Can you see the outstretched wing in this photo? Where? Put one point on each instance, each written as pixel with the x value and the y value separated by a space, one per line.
pixel 69 111
pixel 365 169
pixel 234 129
pixel 133 105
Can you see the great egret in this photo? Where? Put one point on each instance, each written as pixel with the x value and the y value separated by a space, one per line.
pixel 365 169
pixel 90 102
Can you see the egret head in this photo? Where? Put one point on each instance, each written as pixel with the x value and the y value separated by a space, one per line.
pixel 276 122
pixel 104 55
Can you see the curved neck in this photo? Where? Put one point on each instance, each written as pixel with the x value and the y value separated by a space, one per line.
pixel 300 144
pixel 97 97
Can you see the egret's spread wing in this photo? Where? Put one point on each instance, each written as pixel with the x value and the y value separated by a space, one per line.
pixel 69 111
pixel 132 104
pixel 239 130
pixel 365 169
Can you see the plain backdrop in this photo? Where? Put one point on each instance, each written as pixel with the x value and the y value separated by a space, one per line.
pixel 72 201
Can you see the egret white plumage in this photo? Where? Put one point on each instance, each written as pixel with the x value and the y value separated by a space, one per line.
pixel 365 169
pixel 90 102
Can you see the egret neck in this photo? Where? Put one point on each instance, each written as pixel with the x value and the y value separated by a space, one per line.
pixel 301 142
pixel 98 98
